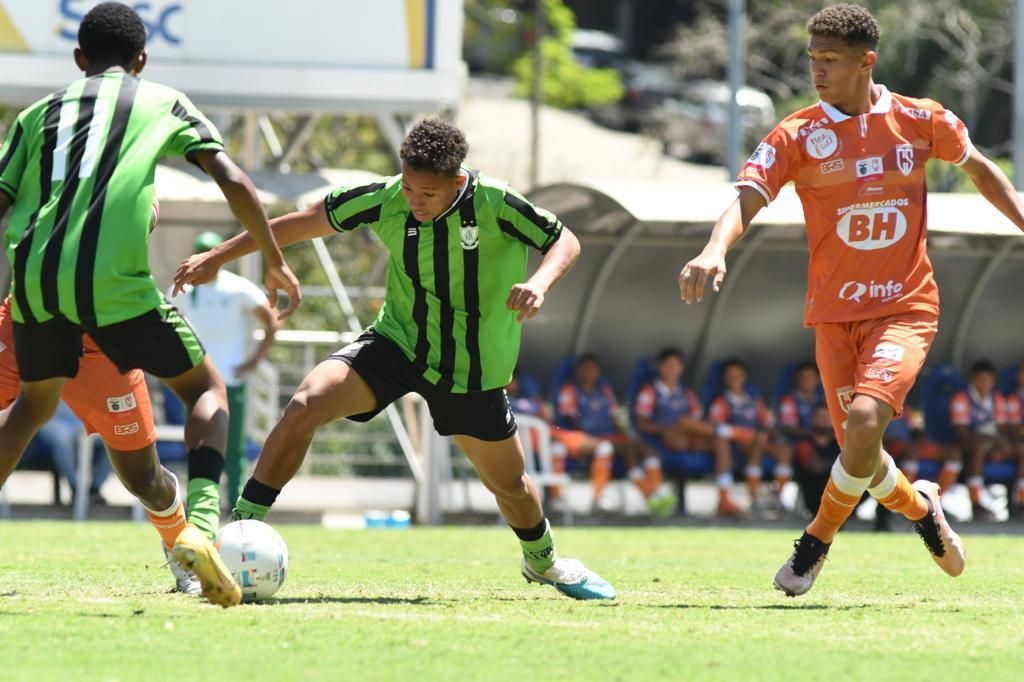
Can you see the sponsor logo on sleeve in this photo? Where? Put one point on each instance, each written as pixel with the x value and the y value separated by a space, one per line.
pixel 763 156
pixel 822 143
pixel 126 429
pixel 121 403
pixel 905 158
pixel 889 352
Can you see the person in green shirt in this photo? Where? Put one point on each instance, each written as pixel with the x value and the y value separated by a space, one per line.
pixel 449 329
pixel 76 173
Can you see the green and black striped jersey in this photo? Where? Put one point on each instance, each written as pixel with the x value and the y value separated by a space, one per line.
pixel 449 279
pixel 79 165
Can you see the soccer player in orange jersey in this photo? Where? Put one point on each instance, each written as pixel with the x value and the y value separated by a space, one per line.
pixel 857 159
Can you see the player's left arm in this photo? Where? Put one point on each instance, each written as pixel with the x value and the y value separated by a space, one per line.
pixel 528 297
pixel 993 184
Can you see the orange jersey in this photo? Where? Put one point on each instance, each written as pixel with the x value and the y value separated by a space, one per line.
pixel 861 181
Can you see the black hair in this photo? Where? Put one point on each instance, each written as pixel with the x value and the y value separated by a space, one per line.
pixel 436 146
pixel 805 366
pixel 588 357
pixel 852 24
pixel 732 362
pixel 112 32
pixel 669 352
pixel 982 366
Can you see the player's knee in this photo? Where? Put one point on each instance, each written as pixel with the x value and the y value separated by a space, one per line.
pixel 511 488
pixel 863 425
pixel 307 411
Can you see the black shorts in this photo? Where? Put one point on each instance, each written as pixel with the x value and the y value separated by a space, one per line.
pixel 485 415
pixel 160 342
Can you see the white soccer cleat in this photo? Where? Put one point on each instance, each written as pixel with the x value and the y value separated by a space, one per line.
pixel 945 546
pixel 798 573
pixel 184 581
pixel 571 578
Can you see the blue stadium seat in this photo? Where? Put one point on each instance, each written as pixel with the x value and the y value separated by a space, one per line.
pixel 529 386
pixel 941 383
pixel 1007 382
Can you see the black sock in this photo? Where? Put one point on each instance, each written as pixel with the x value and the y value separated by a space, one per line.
pixel 205 462
pixel 531 534
pixel 260 493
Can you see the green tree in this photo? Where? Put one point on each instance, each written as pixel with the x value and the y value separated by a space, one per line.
pixel 566 83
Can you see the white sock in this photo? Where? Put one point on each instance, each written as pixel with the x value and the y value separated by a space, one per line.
pixel 851 485
pixel 724 480
pixel 887 485
pixel 604 449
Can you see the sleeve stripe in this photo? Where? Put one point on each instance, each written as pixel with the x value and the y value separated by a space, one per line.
pixel 525 209
pixel 333 204
pixel 11 148
pixel 959 162
pixel 370 215
pixel 508 228
pixel 202 130
pixel 552 238
pixel 751 183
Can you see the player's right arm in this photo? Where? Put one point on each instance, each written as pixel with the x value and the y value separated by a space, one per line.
pixel 729 229
pixel 241 196
pixel 768 169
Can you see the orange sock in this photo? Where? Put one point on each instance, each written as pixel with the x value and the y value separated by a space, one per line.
pixel 948 475
pixel 904 499
pixel 600 471
pixel 169 523
pixel 652 469
pixel 840 498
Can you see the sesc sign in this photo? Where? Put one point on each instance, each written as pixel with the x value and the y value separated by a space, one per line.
pixel 305 55
pixel 157 16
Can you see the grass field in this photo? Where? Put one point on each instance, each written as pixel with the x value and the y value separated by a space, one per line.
pixel 91 602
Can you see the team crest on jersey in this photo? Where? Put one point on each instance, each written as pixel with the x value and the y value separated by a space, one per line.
pixel 845 396
pixel 470 237
pixel 905 158
pixel 822 143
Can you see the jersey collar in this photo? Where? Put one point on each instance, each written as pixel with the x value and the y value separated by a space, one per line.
pixel 466 191
pixel 882 106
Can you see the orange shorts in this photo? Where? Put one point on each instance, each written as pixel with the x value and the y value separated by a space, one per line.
pixel 575 440
pixel 114 405
pixel 880 358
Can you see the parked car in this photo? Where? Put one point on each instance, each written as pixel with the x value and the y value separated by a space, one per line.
pixel 695 125
pixel 647 86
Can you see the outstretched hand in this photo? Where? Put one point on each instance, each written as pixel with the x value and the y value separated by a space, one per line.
pixel 194 270
pixel 694 276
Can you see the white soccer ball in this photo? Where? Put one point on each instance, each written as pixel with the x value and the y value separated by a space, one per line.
pixel 256 555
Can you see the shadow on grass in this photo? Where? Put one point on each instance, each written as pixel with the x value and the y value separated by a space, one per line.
pixel 325 599
pixel 776 607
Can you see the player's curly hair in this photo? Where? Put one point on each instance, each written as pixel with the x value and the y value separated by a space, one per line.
pixel 112 32
pixel 436 146
pixel 851 23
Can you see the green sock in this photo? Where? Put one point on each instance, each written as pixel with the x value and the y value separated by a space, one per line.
pixel 203 506
pixel 540 553
pixel 244 509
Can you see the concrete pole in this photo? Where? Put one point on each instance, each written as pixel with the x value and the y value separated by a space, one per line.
pixel 1018 97
pixel 737 57
pixel 537 101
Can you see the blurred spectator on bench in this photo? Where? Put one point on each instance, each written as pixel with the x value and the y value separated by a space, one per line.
pixel 979 417
pixel 814 458
pixel 670 411
pixel 797 404
pixel 587 426
pixel 745 412
pixel 1015 422
pixel 55 447
pixel 524 399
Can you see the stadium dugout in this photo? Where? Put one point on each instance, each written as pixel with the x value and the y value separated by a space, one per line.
pixel 621 300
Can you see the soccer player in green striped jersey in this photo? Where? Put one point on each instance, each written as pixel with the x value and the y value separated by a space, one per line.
pixel 76 172
pixel 449 329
